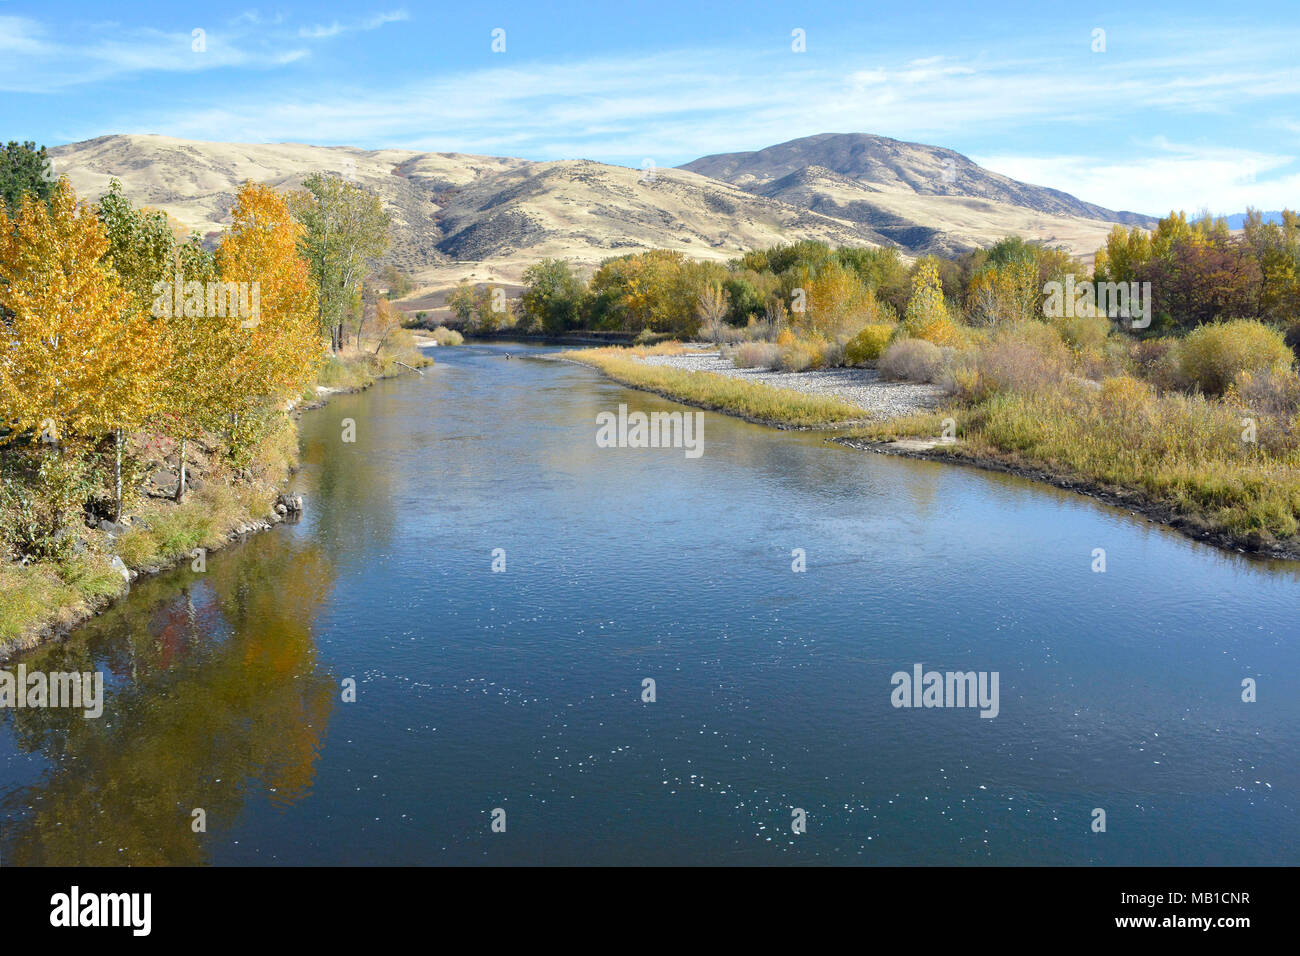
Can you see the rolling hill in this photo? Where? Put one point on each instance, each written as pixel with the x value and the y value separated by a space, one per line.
pixel 458 215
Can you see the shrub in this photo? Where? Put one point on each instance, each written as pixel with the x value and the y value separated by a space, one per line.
pixel 796 356
pixel 867 345
pixel 760 330
pixel 1275 393
pixel 445 336
pixel 941 331
pixel 756 355
pixel 1212 356
pixel 911 360
pixel 42 498
pixel 1023 359
pixel 1157 362
pixel 1084 332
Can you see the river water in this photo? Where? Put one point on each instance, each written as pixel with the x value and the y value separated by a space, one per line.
pixel 522 689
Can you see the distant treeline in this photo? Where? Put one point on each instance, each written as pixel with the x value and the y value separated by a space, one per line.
pixel 1199 272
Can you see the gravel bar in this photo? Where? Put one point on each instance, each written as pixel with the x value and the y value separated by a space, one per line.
pixel 861 386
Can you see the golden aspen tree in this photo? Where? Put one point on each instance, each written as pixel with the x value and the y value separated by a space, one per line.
pixel 279 344
pixel 201 348
pixel 76 359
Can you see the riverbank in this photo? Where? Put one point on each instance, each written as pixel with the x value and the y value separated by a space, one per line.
pixel 43 600
pixel 1135 502
pixel 1174 460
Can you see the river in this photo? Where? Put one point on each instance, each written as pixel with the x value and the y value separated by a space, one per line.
pixel 522 689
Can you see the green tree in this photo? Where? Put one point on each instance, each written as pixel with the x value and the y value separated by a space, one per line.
pixel 24 169
pixel 553 295
pixel 346 227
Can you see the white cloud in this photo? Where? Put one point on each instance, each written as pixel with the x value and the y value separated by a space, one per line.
pixel 1158 176
pixel 1067 121
pixel 335 28
pixel 36 59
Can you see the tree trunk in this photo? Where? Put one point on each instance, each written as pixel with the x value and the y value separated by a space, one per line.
pixel 117 474
pixel 180 483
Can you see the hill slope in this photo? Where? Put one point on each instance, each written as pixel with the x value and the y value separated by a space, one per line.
pixel 888 165
pixel 487 217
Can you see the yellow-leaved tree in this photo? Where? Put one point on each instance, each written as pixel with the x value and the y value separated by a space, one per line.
pixel 77 359
pixel 202 347
pixel 279 346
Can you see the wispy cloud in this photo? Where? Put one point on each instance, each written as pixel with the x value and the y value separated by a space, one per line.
pixel 1158 176
pixel 1086 123
pixel 36 59
pixel 320 32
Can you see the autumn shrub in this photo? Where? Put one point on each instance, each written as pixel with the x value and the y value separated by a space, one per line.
pixel 1212 356
pixel 1109 358
pixel 1022 358
pixel 911 360
pixel 797 356
pixel 941 331
pixel 42 501
pixel 445 336
pixel 1084 332
pixel 756 355
pixel 1275 393
pixel 867 345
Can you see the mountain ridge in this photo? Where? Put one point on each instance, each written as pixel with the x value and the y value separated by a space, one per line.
pixel 489 217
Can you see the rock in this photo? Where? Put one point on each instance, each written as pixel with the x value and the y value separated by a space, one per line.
pixel 292 504
pixel 111 527
pixel 280 508
pixel 120 567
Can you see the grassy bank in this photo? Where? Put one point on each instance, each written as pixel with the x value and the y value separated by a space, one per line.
pixel 1220 468
pixel 751 401
pixel 1178 458
pixel 49 595
pixel 353 369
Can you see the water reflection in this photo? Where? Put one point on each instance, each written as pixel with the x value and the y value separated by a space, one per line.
pixel 213 696
pixel 522 689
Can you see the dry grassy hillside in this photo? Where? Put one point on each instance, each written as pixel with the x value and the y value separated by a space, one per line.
pixel 487 218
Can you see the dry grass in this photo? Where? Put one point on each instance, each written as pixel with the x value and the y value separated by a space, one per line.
pixel 1184 453
pixel 750 400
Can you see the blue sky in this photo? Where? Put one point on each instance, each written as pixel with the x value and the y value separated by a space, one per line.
pixel 1189 105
